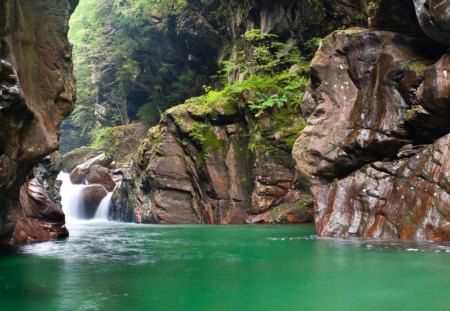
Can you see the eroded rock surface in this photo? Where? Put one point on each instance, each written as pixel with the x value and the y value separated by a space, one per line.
pixel 407 198
pixel 376 160
pixel 44 218
pixel 356 107
pixel 37 91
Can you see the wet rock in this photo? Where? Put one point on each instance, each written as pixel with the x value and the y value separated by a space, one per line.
pixel 92 195
pixel 300 211
pixel 46 173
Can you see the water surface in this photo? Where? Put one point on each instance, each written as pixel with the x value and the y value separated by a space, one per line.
pixel 108 266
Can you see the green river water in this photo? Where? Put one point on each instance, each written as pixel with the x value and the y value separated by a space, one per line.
pixel 109 266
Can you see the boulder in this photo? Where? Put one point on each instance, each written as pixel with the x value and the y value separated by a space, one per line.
pixel 92 195
pixel 434 92
pixel 78 156
pixel 200 166
pixel 357 104
pixel 300 211
pixel 94 174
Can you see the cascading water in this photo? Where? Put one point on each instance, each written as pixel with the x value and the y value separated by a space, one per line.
pixel 72 201
pixel 103 209
pixel 71 197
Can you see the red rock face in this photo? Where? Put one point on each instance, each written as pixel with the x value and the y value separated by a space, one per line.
pixel 42 215
pixel 355 108
pixel 376 161
pixel 408 198
pixel 37 92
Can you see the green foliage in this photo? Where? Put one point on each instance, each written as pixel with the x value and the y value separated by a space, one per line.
pixel 105 139
pixel 107 38
pixel 261 54
pixel 266 101
pixel 312 45
pixel 204 136
pixel 149 113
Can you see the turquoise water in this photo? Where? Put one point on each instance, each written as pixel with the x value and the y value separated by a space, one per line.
pixel 107 266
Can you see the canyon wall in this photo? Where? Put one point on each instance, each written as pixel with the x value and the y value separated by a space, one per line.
pixel 171 55
pixel 372 159
pixel 375 151
pixel 37 91
pixel 217 162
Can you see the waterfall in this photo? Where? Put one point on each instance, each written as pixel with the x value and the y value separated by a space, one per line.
pixel 103 209
pixel 71 198
pixel 72 201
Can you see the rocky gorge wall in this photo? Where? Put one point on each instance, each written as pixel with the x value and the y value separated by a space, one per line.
pixel 201 167
pixel 372 160
pixel 375 149
pixel 215 163
pixel 37 91
pixel 178 52
pixel 373 155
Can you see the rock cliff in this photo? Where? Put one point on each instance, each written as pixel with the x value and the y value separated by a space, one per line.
pixel 37 91
pixel 173 54
pixel 373 155
pixel 215 162
pixel 221 164
pixel 375 149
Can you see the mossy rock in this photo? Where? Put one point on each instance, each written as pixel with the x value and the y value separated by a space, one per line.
pixel 77 156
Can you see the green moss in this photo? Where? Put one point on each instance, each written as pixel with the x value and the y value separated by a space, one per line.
pixel 412 111
pixel 417 66
pixel 203 134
